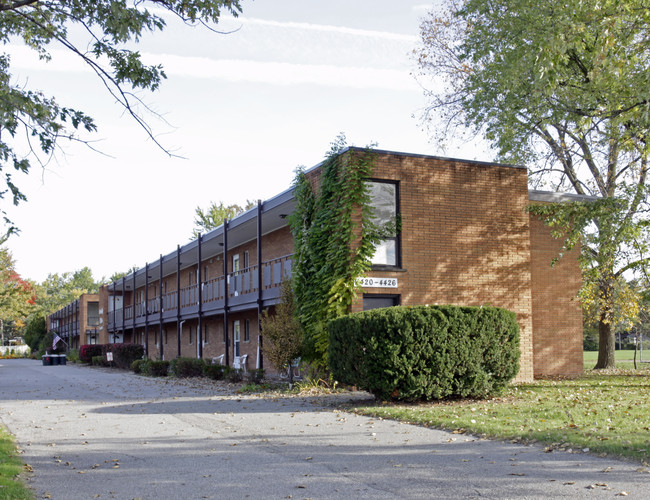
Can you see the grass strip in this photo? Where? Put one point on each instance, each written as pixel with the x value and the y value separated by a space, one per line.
pixel 11 465
pixel 598 413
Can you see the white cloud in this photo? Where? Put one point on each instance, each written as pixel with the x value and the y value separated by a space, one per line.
pixel 281 73
pixel 384 35
pixel 235 70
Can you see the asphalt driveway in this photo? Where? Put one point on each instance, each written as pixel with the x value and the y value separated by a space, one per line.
pixel 96 433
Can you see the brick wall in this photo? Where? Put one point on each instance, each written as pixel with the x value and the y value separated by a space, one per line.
pixel 465 237
pixel 557 315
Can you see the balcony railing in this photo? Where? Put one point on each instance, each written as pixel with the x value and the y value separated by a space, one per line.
pixel 240 282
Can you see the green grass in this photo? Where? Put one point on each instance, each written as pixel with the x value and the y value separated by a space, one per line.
pixel 624 360
pixel 11 487
pixel 603 414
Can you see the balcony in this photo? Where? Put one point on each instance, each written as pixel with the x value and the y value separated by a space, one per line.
pixel 243 294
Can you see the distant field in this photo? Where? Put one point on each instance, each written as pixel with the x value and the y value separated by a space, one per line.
pixel 624 359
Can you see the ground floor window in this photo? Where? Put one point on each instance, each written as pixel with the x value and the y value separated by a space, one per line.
pixel 247 331
pixel 375 301
pixel 206 336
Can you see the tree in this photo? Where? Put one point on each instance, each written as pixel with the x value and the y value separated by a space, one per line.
pixel 282 332
pixel 214 215
pixel 101 33
pixel 560 86
pixel 59 290
pixel 16 295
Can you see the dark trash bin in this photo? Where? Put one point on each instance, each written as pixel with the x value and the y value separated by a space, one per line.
pixel 63 359
pixel 47 359
pixel 56 359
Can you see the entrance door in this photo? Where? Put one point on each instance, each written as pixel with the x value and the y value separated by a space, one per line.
pixel 236 337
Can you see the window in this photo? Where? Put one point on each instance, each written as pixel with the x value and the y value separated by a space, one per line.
pixel 247 331
pixel 235 263
pixel 155 337
pixel 206 335
pixel 246 259
pixel 384 200
pixel 375 301
pixel 205 273
pixel 190 329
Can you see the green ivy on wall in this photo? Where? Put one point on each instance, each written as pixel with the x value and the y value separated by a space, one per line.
pixel 334 239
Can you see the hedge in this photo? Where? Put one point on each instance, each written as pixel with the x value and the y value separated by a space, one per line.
pixel 89 351
pixel 187 367
pixel 158 368
pixel 123 354
pixel 426 353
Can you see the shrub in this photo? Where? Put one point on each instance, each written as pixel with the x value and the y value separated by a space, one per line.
pixel 73 356
pixel 124 354
pixel 255 376
pixel 157 368
pixel 215 372
pixel 99 361
pixel 233 375
pixel 139 366
pixel 425 353
pixel 88 352
pixel 187 367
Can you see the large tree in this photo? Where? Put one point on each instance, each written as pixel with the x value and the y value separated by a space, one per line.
pixel 102 34
pixel 16 294
pixel 562 87
pixel 59 290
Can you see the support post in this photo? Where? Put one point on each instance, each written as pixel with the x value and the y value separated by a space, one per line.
pixel 178 299
pixel 260 341
pixel 226 291
pixel 199 284
pixel 160 307
pixel 146 310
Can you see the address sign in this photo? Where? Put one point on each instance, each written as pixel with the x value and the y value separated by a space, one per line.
pixel 379 282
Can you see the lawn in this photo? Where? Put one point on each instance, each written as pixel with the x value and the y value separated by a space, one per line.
pixel 624 359
pixel 11 488
pixel 607 414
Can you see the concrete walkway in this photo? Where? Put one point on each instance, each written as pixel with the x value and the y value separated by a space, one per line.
pixel 95 433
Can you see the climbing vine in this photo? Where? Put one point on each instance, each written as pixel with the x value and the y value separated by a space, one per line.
pixel 334 238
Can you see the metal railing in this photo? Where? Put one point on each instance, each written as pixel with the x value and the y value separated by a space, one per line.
pixel 240 282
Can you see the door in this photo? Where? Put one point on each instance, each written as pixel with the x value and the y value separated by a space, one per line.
pixel 236 337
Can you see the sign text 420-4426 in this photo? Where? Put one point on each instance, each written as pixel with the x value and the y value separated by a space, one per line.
pixel 379 282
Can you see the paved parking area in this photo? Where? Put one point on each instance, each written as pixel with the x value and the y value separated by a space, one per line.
pixel 97 433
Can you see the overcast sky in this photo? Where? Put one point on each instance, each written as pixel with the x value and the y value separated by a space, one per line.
pixel 244 110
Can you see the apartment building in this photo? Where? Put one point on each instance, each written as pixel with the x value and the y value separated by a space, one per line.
pixel 465 238
pixel 79 322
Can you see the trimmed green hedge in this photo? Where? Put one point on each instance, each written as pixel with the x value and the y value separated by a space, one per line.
pixel 158 368
pixel 123 354
pixel 426 353
pixel 186 367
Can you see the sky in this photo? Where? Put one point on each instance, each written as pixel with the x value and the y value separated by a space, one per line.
pixel 240 111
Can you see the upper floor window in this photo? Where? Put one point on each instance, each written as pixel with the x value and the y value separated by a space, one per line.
pixel 384 198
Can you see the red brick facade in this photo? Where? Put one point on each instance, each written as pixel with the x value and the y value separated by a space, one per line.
pixel 466 238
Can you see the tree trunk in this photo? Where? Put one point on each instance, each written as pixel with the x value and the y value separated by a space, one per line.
pixel 606 345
